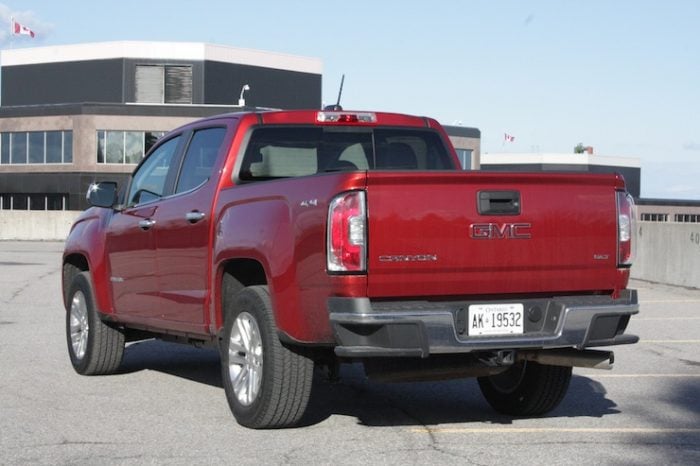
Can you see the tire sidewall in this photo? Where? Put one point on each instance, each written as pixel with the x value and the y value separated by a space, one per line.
pixel 531 395
pixel 519 375
pixel 510 399
pixel 250 302
pixel 81 282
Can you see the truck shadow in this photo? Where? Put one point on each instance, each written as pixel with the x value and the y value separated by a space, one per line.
pixel 371 403
pixel 434 403
pixel 196 364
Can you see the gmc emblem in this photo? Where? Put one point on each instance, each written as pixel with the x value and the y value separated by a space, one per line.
pixel 496 231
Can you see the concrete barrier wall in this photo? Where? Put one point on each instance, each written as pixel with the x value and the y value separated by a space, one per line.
pixel 668 253
pixel 45 225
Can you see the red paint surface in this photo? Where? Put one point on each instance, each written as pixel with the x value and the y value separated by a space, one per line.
pixel 171 274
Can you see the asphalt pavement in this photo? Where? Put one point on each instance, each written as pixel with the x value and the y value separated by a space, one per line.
pixel 167 405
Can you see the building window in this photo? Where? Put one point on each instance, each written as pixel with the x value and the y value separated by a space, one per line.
pixel 67 147
pixel 19 202
pixel 134 146
pixel 687 218
pixel 647 217
pixel 465 158
pixel 54 147
pixel 18 148
pixel 114 144
pixel 36 147
pixel 56 201
pixel 651 217
pixel 158 84
pixel 5 148
pixel 125 147
pixel 34 201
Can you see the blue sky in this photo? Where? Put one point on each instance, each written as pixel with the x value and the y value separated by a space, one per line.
pixel 621 76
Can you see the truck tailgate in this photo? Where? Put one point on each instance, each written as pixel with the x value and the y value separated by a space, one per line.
pixel 468 234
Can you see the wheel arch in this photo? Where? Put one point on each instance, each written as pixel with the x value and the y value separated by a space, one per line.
pixel 73 264
pixel 234 275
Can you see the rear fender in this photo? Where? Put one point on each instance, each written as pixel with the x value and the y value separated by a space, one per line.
pixel 259 230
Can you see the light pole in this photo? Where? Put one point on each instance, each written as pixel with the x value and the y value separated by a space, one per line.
pixel 241 100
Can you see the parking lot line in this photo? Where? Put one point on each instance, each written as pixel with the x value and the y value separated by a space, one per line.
pixel 635 376
pixel 680 342
pixel 558 430
pixel 669 301
pixel 638 319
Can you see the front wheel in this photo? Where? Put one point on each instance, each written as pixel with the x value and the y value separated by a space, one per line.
pixel 526 389
pixel 94 347
pixel 267 384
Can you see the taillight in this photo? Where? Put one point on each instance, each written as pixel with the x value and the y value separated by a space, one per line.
pixel 625 229
pixel 346 117
pixel 347 238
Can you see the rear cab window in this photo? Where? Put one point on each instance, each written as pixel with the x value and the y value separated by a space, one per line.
pixel 290 151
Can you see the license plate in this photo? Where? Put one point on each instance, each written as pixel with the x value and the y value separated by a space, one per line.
pixel 495 319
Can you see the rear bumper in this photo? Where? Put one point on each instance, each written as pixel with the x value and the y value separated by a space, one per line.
pixel 365 328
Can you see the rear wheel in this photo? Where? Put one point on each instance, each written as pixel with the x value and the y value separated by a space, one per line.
pixel 526 389
pixel 267 384
pixel 94 347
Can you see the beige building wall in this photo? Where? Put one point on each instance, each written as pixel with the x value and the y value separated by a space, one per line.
pixel 473 144
pixel 85 129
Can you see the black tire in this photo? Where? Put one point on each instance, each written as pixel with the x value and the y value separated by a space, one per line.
pixel 285 374
pixel 94 347
pixel 526 389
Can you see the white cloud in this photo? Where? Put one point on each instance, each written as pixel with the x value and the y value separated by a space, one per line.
pixel 691 146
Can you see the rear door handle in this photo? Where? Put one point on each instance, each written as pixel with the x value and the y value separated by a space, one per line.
pixel 146 224
pixel 194 216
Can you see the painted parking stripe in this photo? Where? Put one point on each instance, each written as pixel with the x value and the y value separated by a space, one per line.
pixel 674 301
pixel 680 342
pixel 639 376
pixel 543 430
pixel 639 319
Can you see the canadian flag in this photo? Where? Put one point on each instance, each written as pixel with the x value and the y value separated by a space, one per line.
pixel 21 30
pixel 508 137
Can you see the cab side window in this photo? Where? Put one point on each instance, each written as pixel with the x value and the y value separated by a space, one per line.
pixel 200 158
pixel 148 183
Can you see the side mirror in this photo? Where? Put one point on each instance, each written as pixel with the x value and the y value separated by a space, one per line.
pixel 102 194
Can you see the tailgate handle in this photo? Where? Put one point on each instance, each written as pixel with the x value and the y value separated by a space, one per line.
pixel 498 202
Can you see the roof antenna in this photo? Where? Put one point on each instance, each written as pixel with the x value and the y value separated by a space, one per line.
pixel 337 107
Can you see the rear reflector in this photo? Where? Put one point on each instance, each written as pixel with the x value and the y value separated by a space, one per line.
pixel 347 237
pixel 626 229
pixel 346 117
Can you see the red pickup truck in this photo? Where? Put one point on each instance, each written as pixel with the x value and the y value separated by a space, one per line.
pixel 290 239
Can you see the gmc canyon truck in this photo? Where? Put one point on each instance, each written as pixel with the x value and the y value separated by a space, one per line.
pixel 289 239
